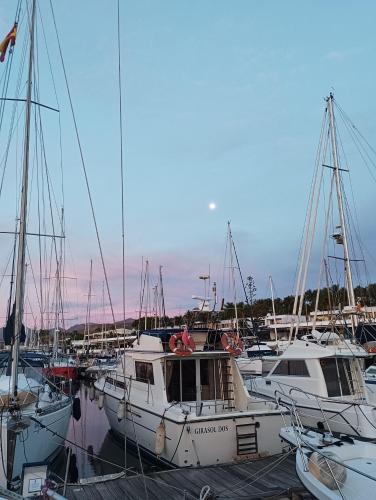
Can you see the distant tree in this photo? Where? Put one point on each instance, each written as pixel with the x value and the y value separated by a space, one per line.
pixel 251 288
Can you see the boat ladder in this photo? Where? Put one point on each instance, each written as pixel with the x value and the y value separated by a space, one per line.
pixel 246 439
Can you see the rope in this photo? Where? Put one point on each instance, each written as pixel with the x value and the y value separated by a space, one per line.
pixel 83 164
pixel 257 475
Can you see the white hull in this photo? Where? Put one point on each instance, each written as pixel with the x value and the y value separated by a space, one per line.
pixel 249 366
pixel 197 441
pixel 41 437
pixel 371 390
pixel 351 474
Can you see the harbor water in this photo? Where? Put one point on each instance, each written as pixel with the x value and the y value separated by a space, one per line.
pixel 95 450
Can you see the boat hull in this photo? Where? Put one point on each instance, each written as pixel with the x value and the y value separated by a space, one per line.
pixel 37 437
pixel 197 441
pixel 66 372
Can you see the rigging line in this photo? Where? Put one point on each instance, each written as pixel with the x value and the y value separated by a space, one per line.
pixel 33 275
pixel 40 294
pixel 224 269
pixel 9 64
pixel 353 126
pixel 324 249
pixel 301 252
pixel 6 267
pixel 359 146
pixel 310 232
pixel 243 284
pixel 83 164
pixel 260 473
pixel 13 122
pixel 50 190
pixel 57 103
pixel 93 455
pixel 121 160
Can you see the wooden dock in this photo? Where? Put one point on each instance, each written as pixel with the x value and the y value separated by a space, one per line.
pixel 272 477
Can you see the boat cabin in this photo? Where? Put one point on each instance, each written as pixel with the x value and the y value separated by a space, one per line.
pixel 320 370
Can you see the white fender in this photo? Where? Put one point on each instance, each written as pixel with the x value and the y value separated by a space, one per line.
pixel 121 411
pixel 100 400
pixel 160 439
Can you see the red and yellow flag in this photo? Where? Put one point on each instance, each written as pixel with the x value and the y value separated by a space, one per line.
pixel 10 38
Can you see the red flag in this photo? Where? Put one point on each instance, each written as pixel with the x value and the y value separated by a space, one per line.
pixel 10 38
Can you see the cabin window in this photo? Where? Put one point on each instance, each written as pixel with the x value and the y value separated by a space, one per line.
pixel 181 383
pixel 181 380
pixel 213 375
pixel 144 372
pixel 337 375
pixel 295 368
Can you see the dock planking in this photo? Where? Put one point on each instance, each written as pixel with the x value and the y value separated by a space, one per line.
pixel 263 478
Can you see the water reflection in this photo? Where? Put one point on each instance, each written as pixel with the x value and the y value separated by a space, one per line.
pixel 96 451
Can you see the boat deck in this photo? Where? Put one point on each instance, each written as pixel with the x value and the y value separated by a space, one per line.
pixel 268 477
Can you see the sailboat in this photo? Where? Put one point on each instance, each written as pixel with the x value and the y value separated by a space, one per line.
pixel 35 416
pixel 325 381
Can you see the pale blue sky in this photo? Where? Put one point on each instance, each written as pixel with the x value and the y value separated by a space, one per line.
pixel 222 102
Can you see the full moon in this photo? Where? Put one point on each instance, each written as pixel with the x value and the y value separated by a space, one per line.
pixel 212 206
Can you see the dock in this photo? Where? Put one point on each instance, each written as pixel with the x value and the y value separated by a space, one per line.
pixel 272 477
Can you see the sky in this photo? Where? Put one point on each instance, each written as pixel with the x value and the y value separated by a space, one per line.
pixel 222 103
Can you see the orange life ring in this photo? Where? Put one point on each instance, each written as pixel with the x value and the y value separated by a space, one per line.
pixel 372 350
pixel 235 346
pixel 187 344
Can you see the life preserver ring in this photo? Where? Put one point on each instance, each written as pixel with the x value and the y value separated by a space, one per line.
pixel 371 350
pixel 232 343
pixel 186 347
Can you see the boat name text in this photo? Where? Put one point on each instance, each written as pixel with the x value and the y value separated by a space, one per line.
pixel 211 429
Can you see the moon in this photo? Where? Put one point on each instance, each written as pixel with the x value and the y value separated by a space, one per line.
pixel 212 206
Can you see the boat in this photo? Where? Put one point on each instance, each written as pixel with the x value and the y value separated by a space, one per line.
pixel 253 359
pixel 100 366
pixel 326 383
pixel 35 415
pixel 323 373
pixel 370 382
pixel 64 368
pixel 333 467
pixel 186 405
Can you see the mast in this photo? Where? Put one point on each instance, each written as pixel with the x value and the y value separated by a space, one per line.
pixel 88 309
pixel 233 278
pixel 20 279
pixel 337 177
pixel 162 299
pixel 273 307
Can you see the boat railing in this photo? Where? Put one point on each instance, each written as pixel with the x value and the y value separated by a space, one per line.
pixel 204 408
pixel 286 399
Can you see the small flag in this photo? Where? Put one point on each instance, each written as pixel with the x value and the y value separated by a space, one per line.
pixel 10 38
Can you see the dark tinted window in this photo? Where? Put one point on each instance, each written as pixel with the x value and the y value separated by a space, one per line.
pixel 188 373
pixel 296 367
pixel 181 380
pixel 337 374
pixel 172 378
pixel 144 372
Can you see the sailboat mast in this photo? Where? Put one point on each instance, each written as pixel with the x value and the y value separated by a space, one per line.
pixel 20 279
pixel 232 269
pixel 333 136
pixel 273 308
pixel 162 299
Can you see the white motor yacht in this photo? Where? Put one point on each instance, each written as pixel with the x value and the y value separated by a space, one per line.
pixel 188 408
pixel 326 383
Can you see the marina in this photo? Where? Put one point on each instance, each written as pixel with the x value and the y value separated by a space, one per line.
pixel 168 331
